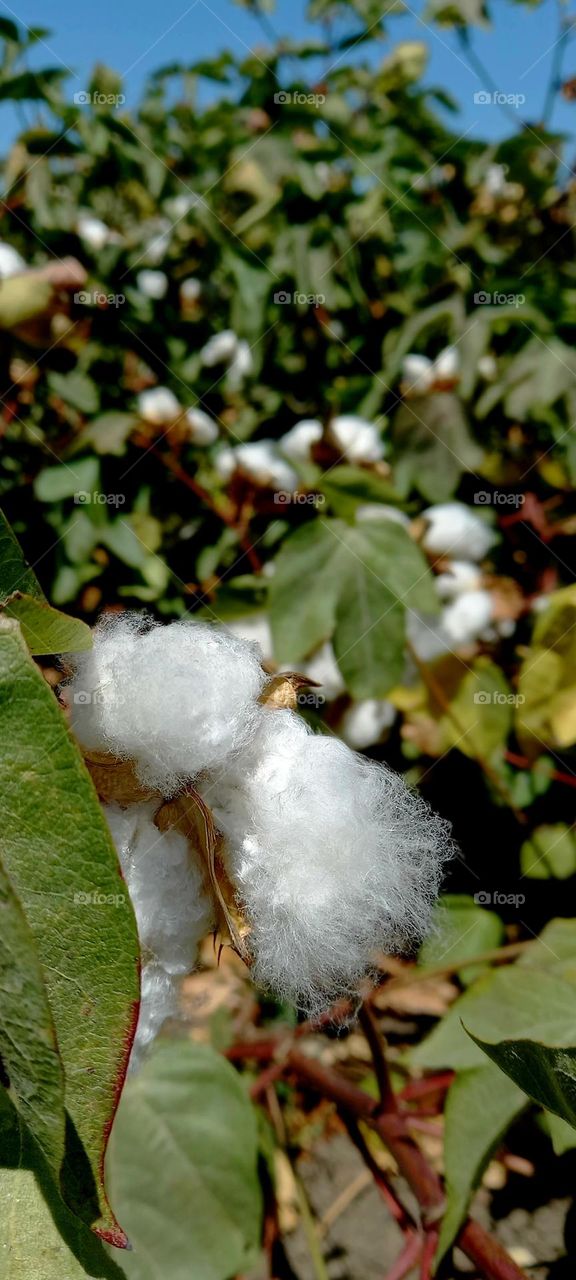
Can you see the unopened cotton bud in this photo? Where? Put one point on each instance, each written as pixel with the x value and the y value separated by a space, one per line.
pixel 460 575
pixel 262 463
pixel 364 723
pixel 297 444
pixel 357 440
pixel 174 699
pixel 11 262
pixel 200 427
pixel 453 529
pixel 417 374
pixel 467 617
pixel 334 860
pixel 93 232
pixel 158 406
pixel 153 284
pixel 221 347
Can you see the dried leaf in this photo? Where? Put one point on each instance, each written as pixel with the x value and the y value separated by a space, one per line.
pixel 115 780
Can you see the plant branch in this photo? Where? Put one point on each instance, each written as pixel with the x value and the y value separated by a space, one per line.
pixel 376 1046
pixel 222 512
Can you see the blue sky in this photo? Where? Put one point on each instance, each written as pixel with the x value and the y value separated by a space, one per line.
pixel 137 37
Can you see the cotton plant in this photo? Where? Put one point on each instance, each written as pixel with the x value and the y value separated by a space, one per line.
pixel 226 348
pixel 327 858
pixel 152 284
pixel 420 375
pixel 93 232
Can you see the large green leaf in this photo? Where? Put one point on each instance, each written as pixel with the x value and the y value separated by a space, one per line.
pixel 58 854
pixel 182 1167
pixel 546 1072
pixel 28 1049
pixel 462 931
pixel 15 573
pixel 369 635
pixel 480 1107
pixel 45 629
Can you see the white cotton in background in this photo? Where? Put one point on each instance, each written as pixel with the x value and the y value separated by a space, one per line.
pixel 261 463
pixel 467 617
pixel 153 284
pixel 357 440
pixel 455 530
pixel 417 373
pixel 495 179
pixel 333 858
pixel 298 442
pixel 11 262
pixel 93 233
pixel 324 670
pixel 221 347
pixel 256 628
pixel 363 724
pixel 190 289
pixel 488 367
pixel 447 365
pixel 158 406
pixel 201 429
pixel 426 635
pixel 175 699
pixel 460 575
pixel 241 365
pixel 368 511
pixel 225 463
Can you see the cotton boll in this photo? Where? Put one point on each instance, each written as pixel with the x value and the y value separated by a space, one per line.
pixel 417 374
pixel 454 529
pixel 158 406
pixel 153 284
pixel 297 444
pixel 190 290
pixel 364 723
pixel 221 347
pixel 333 858
pixel 159 1000
pixel 427 637
pixel 175 699
pixel 261 462
pixel 225 463
pixel 460 576
pixel 367 511
pixel 465 619
pixel 241 366
pixel 488 367
pixel 11 262
pixel 200 427
pixel 495 179
pixel 447 365
pixel 357 440
pixel 323 669
pixel 93 232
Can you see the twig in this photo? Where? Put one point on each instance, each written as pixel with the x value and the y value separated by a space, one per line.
pixel 484 76
pixel 406 1260
pixel 375 1043
pixel 346 1198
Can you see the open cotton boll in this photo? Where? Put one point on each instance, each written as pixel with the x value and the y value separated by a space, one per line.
pixel 333 858
pixel 190 289
pixel 453 529
pixel 261 462
pixel 460 576
pixel 159 1000
pixel 200 427
pixel 357 440
pixel 93 233
pixel 427 637
pixel 153 284
pixel 364 723
pixel 225 463
pixel 241 365
pixel 158 406
pixel 417 374
pixel 11 262
pixel 467 617
pixel 324 670
pixel 175 699
pixel 297 444
pixel 222 346
pixel 447 365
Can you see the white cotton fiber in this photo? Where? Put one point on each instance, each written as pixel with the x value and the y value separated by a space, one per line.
pixel 364 722
pixel 333 858
pixel 454 530
pixel 467 617
pixel 176 699
pixel 159 1000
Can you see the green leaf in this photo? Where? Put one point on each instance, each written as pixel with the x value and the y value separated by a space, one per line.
pixel 370 633
pixel 554 950
pixel 77 389
pixel 45 629
pixel 15 572
pixel 547 1073
pixel 463 930
pixel 9 30
pixel 304 591
pixel 480 1107
pixel 182 1167
pixel 434 446
pixel 108 434
pixel 346 488
pixel 28 1048
pixel 65 481
pixel 551 851
pixel 58 854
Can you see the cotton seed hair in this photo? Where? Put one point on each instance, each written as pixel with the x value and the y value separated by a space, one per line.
pixel 333 859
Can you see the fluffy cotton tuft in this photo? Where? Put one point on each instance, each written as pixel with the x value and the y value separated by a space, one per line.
pixel 158 406
pixel 262 463
pixel 297 444
pixel 11 262
pixel 333 857
pixel 364 722
pixel 93 233
pixel 467 617
pixel 459 576
pixel 200 427
pixel 173 911
pixel 220 347
pixel 454 530
pixel 153 284
pixel 357 440
pixel 175 699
